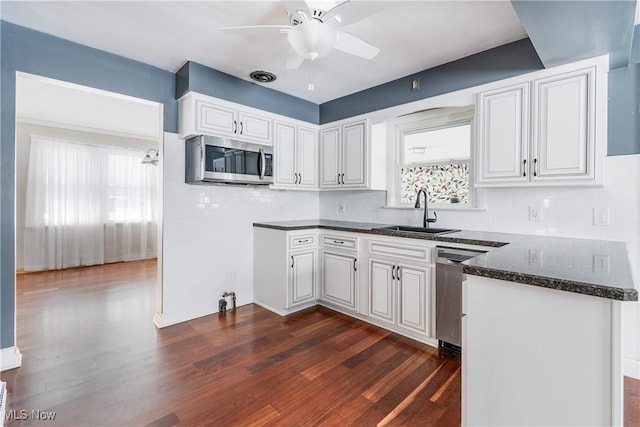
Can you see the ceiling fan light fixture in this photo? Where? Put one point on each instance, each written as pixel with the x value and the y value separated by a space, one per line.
pixel 312 39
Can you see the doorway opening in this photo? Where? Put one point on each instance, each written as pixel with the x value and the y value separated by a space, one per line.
pixel 88 184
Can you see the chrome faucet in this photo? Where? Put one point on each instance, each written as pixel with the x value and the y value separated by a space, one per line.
pixel 425 219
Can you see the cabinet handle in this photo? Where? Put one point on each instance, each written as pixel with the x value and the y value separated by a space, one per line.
pixel 235 126
pixel 291 261
pixel 299 178
pixel 303 241
pixel 355 267
pixel 295 178
pixel 535 164
pixel 342 179
pixel 524 167
pixel 393 273
pixel 340 242
pixel 398 274
pixel 241 128
pixel 338 178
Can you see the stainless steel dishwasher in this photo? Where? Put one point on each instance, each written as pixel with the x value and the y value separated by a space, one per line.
pixel 449 294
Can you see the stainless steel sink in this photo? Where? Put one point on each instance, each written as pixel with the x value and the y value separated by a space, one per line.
pixel 430 230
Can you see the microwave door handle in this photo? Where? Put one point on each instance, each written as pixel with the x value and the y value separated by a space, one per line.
pixel 262 163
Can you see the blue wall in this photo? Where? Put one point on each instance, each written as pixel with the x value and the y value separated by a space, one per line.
pixel 199 78
pixel 37 53
pixel 494 64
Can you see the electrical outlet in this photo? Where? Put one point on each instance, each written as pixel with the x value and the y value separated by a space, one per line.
pixel 601 216
pixel 342 207
pixel 535 257
pixel 535 213
pixel 601 263
pixel 415 84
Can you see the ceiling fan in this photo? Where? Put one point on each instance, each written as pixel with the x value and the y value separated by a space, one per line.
pixel 315 33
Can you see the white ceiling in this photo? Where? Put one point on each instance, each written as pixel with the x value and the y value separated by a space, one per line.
pixel 53 103
pixel 412 36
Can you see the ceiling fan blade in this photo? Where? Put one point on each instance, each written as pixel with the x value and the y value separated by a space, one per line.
pixel 354 45
pixel 294 61
pixel 349 12
pixel 257 29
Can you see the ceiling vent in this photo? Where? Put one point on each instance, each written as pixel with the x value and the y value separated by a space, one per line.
pixel 262 76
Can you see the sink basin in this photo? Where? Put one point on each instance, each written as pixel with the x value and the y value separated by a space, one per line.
pixel 430 230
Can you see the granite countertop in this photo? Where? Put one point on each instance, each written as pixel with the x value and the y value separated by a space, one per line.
pixel 590 267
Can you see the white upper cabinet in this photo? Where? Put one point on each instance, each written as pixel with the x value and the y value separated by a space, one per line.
pixel 203 115
pixel 564 118
pixel 296 157
pixel 307 157
pixel 285 155
pixel 547 131
pixel 344 155
pixel 503 134
pixel 354 155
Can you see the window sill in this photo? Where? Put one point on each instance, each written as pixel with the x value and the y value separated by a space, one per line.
pixel 436 208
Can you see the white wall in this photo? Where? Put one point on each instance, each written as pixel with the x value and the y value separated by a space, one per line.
pixel 23 145
pixel 566 212
pixel 208 236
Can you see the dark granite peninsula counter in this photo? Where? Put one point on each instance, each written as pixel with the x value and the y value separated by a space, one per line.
pixel 541 324
pixel 589 267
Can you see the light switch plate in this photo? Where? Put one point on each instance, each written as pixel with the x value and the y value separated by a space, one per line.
pixel 342 207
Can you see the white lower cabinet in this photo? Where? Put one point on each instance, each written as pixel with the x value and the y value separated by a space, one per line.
pixel 386 281
pixel 399 294
pixel 339 267
pixel 285 273
pixel 339 278
pixel 302 278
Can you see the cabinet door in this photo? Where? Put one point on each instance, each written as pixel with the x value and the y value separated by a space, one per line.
pixel 339 279
pixel 285 155
pixel 302 281
pixel 215 120
pixel 354 146
pixel 563 133
pixel 253 127
pixel 413 297
pixel 381 290
pixel 502 120
pixel 307 158
pixel 330 158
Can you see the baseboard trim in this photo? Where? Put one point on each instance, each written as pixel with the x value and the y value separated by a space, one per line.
pixel 631 368
pixel 10 358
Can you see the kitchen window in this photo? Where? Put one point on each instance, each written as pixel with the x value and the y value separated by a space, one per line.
pixel 433 151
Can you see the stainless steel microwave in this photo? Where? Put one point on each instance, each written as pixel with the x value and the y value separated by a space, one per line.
pixel 212 159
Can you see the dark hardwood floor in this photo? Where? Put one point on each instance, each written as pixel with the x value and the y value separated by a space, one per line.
pixel 92 355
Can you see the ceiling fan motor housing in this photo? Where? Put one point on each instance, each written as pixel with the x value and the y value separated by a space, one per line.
pixel 312 39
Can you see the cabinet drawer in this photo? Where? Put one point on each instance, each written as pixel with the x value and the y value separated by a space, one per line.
pixel 333 241
pixel 415 253
pixel 302 241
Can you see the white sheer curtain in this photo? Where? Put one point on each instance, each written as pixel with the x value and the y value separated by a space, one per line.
pixel 88 204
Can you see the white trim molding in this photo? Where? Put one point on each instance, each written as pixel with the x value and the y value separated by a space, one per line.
pixel 10 358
